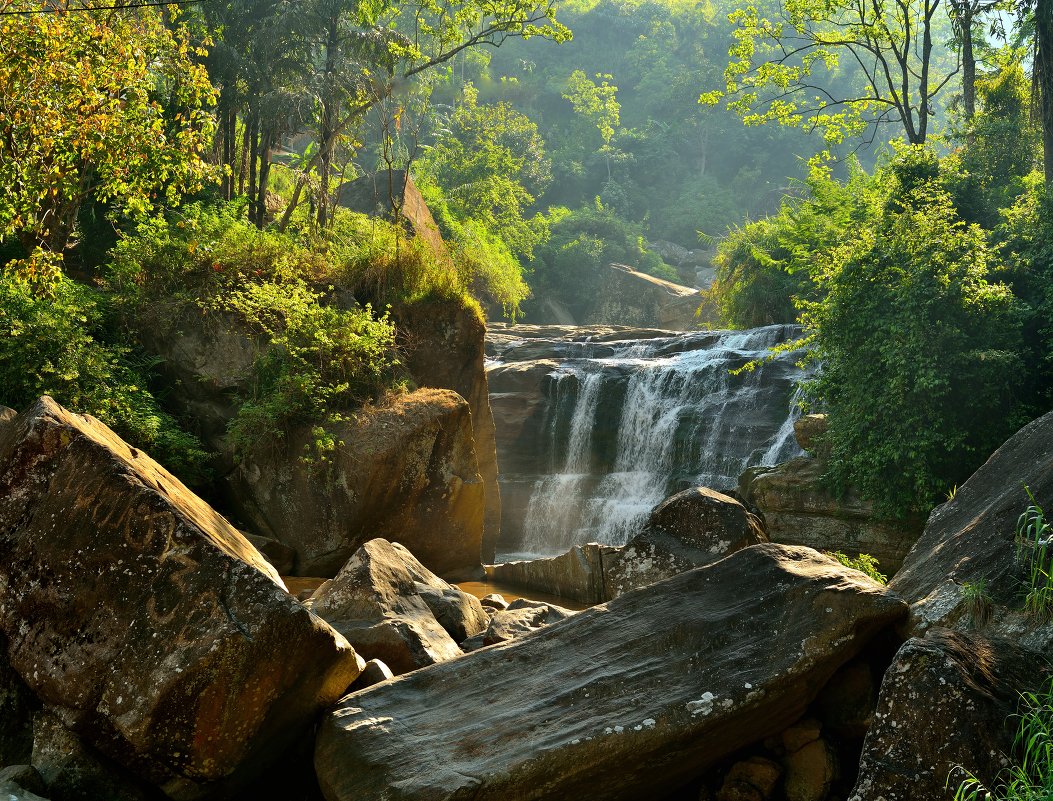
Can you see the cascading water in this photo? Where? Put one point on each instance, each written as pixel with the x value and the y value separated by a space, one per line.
pixel 629 423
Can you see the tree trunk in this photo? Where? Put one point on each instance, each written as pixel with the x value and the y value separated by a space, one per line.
pixel 968 65
pixel 254 140
pixel 1044 68
pixel 327 132
pixel 267 143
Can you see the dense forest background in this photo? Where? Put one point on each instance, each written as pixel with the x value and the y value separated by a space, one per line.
pixel 888 192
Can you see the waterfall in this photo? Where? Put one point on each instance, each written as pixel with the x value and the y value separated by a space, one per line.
pixel 629 423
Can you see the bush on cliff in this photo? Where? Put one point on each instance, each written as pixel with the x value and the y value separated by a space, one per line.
pixel 58 340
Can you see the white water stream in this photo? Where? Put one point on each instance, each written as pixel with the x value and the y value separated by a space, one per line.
pixel 685 420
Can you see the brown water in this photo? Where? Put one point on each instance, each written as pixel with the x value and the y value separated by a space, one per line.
pixel 482 588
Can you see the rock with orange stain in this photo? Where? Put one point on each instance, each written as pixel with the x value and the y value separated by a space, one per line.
pixel 142 619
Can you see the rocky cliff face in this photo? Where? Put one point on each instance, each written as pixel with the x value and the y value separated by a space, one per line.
pixel 406 471
pixel 800 509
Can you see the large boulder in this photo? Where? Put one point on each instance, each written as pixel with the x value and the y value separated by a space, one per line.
pixel 967 571
pixel 407 471
pixel 945 708
pixel 443 346
pixel 142 619
pixel 579 574
pixel 690 529
pixel 624 701
pixel 799 508
pixel 383 599
pixel 629 297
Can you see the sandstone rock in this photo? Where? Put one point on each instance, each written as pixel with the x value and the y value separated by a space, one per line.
pixel 407 471
pixel 810 771
pixel 443 346
pixel 809 430
pixel 945 702
pixel 969 542
pixel 493 601
pixel 751 780
pixel 799 509
pixel 629 297
pixel 522 617
pixel 689 529
pixel 623 701
pixel 579 575
pixel 281 557
pixel 458 612
pixel 142 619
pixel 374 603
pixel 800 734
pixel 209 358
pixel 374 673
pixel 7 416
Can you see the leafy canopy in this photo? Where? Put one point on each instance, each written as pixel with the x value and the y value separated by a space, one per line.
pixel 110 105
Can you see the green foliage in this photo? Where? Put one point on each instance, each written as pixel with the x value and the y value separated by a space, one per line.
pixel 598 103
pixel 1032 537
pixel 765 268
pixel 1030 777
pixel 110 106
pixel 978 601
pixel 864 563
pixel 315 360
pixel 918 345
pixel 60 343
pixel 581 246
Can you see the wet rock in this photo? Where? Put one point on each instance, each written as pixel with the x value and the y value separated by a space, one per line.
pixel 627 700
pixel 521 617
pixel 810 771
pixel 375 603
pixel 374 672
pixel 966 571
pixel 800 509
pixel 690 529
pixel 146 623
pixel 944 703
pixel 12 791
pixel 751 780
pixel 407 471
pixel 443 346
pixel 493 601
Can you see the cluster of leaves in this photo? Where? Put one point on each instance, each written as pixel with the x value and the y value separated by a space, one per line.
pixel 315 359
pixel 1030 777
pixel 110 106
pixel 864 563
pixel 61 342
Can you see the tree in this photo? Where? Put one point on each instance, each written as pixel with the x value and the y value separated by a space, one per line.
pixel 598 104
pixel 106 105
pixel 840 66
pixel 918 346
pixel 387 45
pixel 490 163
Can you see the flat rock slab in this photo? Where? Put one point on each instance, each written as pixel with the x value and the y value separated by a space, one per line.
pixel 624 701
pixel 146 623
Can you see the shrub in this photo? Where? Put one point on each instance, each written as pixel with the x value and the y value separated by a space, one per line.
pixel 56 343
pixel 864 563
pixel 918 347
pixel 1030 777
